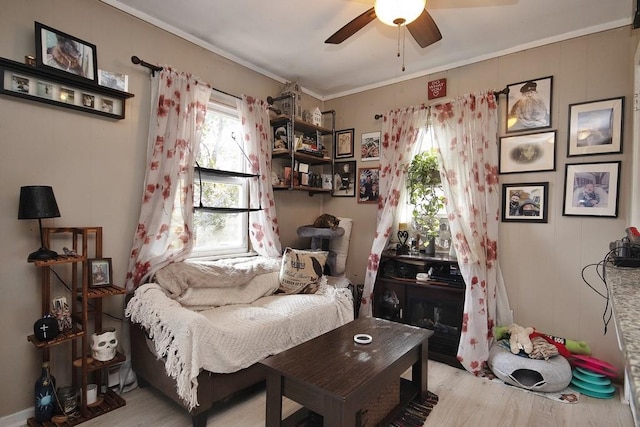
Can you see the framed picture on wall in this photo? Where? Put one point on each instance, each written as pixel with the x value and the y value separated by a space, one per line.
pixel 525 202
pixel 368 185
pixel 596 127
pixel 344 144
pixel 344 179
pixel 64 53
pixel 370 146
pixel 535 152
pixel 591 189
pixel 529 105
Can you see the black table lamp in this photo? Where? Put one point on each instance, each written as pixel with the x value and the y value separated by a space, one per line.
pixel 37 202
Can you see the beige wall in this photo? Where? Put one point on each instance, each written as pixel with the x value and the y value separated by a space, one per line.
pixel 541 263
pixel 96 167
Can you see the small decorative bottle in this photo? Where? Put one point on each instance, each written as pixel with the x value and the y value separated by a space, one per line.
pixel 45 400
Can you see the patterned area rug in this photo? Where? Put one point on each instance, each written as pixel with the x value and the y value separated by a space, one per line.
pixel 416 412
pixel 413 415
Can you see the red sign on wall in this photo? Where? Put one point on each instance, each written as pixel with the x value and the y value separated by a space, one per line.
pixel 437 88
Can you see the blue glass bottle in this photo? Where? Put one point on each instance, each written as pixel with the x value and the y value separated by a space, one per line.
pixel 45 398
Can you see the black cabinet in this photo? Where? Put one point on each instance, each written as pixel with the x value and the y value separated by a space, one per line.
pixel 423 291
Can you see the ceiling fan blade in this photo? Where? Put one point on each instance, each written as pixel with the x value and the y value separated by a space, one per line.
pixel 424 30
pixel 352 27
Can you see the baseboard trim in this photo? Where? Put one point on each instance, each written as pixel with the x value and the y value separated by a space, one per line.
pixel 18 419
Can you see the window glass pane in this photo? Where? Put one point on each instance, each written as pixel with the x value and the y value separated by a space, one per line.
pixel 220 233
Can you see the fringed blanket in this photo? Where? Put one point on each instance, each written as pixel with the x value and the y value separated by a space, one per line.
pixel 225 338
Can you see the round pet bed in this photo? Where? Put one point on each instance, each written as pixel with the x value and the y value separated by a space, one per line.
pixel 531 374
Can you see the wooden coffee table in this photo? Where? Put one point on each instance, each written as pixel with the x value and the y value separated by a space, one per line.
pixel 336 377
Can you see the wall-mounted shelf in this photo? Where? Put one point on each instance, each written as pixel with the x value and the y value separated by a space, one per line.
pixel 40 85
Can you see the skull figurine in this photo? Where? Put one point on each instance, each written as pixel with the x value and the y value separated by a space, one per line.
pixel 104 345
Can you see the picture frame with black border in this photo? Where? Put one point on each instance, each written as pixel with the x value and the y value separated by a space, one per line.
pixel 344 179
pixel 533 152
pixel 529 105
pixel 100 272
pixel 525 202
pixel 370 146
pixel 343 147
pixel 591 189
pixel 595 127
pixel 369 185
pixel 65 54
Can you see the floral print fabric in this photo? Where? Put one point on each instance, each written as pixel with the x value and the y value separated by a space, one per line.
pixel 164 231
pixel 465 132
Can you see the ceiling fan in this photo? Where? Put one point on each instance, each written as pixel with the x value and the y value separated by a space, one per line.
pixel 409 13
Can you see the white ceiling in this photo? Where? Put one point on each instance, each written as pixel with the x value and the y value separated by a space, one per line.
pixel 284 39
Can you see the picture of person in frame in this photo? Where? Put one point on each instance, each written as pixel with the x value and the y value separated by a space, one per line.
pixel 65 55
pixel 530 110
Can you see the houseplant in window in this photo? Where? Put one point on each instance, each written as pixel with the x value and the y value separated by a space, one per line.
pixel 425 194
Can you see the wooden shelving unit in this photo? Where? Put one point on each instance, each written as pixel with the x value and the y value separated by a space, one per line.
pixel 87 243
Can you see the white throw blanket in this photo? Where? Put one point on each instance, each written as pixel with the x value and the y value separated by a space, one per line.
pixel 234 336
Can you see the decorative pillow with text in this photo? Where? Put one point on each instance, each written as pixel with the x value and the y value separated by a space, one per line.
pixel 301 271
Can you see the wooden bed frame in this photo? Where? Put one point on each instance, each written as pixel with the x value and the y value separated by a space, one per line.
pixel 212 387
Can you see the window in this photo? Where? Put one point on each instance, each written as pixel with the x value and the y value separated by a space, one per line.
pixel 220 233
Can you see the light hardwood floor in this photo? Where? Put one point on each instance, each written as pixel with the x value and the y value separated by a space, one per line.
pixel 464 401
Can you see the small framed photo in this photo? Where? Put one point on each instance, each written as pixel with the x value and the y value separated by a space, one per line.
pixel 344 179
pixel 344 144
pixel 100 272
pixel 370 146
pixel 67 95
pixel 534 152
pixel 20 84
pixel 113 80
pixel 368 185
pixel 88 100
pixel 107 105
pixel 526 202
pixel 529 105
pixel 596 127
pixel 591 189
pixel 45 90
pixel 65 53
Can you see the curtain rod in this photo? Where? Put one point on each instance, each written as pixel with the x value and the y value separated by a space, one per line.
pixel 155 68
pixel 496 93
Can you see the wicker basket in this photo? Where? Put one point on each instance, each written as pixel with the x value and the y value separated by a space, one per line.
pixel 378 408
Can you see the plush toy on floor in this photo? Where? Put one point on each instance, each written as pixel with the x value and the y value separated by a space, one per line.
pixel 519 338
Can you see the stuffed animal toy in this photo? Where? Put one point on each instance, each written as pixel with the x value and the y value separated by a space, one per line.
pixel 519 339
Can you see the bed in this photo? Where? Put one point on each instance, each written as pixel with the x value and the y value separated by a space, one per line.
pixel 199 328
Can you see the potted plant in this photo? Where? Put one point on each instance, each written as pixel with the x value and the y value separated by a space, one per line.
pixel 424 184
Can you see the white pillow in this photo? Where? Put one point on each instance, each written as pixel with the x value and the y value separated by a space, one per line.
pixel 301 271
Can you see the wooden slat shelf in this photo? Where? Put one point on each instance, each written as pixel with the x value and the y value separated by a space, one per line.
pixel 60 259
pixel 105 291
pixel 110 401
pixel 63 336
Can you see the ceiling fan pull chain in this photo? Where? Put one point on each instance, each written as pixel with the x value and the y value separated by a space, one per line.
pixel 404 36
pixel 398 41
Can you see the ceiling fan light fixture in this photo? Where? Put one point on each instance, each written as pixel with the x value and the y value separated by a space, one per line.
pixel 398 12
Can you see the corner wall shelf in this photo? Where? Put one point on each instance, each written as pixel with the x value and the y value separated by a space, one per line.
pixel 40 85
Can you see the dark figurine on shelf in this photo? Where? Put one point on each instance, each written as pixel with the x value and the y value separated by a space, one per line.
pixel 69 252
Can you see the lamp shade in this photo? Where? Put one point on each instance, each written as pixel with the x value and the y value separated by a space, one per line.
pixel 37 201
pixel 398 12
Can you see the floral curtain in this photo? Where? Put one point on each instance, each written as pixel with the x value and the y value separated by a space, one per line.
pixel 465 132
pixel 164 231
pixel 400 129
pixel 263 225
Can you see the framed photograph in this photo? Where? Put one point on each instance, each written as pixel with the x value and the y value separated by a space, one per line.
pixel 67 95
pixel 344 144
pixel 64 53
pixel 20 84
pixel 591 189
pixel 596 127
pixel 344 179
pixel 529 105
pixel 368 185
pixel 45 90
pixel 525 202
pixel 113 80
pixel 100 272
pixel 88 100
pixel 534 152
pixel 370 146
